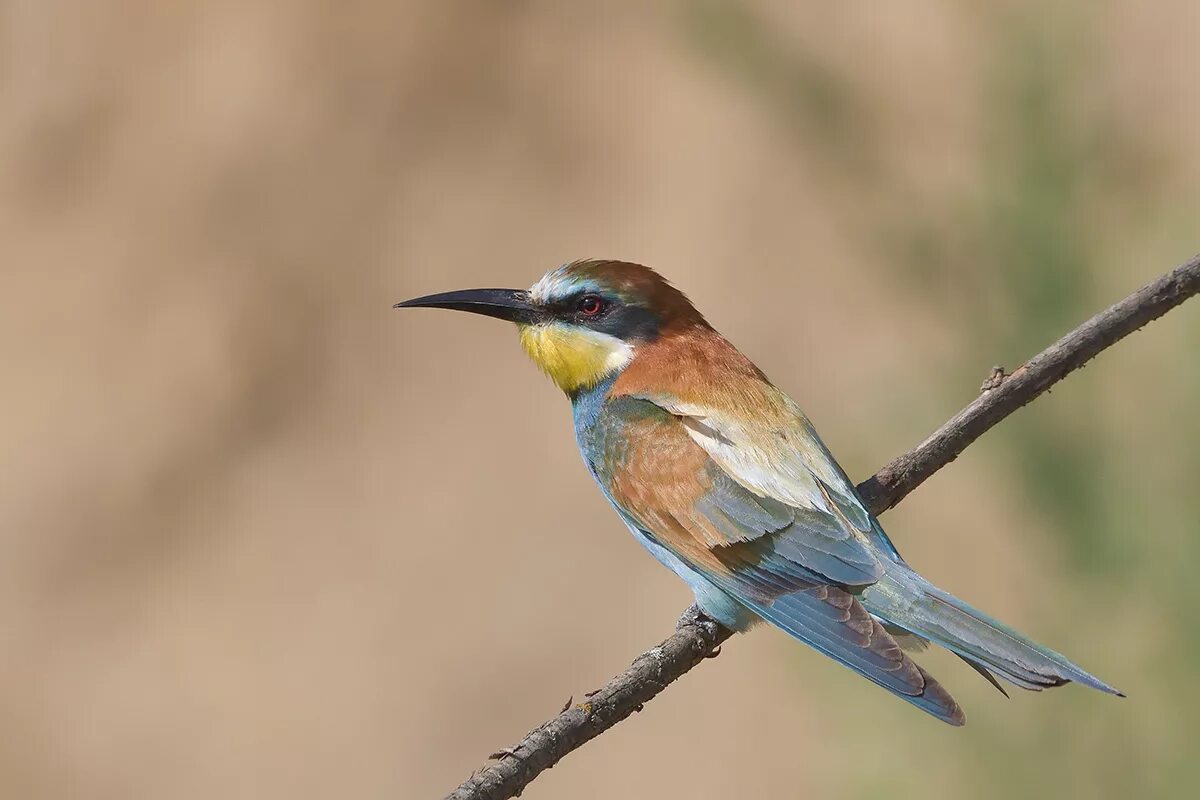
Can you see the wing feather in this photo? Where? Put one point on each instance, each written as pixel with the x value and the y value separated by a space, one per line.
pixel 785 559
pixel 776 453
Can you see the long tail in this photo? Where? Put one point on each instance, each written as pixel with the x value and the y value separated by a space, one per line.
pixel 906 600
pixel 833 622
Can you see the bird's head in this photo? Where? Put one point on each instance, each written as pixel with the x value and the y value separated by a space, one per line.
pixel 583 321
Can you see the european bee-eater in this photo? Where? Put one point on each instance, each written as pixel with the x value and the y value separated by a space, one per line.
pixel 724 480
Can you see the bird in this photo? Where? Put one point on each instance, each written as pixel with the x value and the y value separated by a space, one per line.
pixel 724 480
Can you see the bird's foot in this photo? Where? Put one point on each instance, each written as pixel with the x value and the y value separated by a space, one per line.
pixel 693 617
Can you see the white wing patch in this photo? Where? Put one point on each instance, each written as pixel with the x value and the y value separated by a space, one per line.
pixel 778 477
pixel 787 461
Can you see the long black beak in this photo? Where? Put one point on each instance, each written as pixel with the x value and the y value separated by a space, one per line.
pixel 510 304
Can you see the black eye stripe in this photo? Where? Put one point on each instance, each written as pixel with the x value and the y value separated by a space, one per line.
pixel 572 307
pixel 615 317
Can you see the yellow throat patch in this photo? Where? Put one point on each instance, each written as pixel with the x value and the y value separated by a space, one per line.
pixel 575 358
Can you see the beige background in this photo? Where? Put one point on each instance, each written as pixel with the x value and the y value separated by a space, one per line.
pixel 262 536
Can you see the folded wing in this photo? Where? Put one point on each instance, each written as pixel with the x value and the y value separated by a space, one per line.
pixel 788 545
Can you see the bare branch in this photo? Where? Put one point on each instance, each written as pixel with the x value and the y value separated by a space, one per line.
pixel 697 637
pixel 888 486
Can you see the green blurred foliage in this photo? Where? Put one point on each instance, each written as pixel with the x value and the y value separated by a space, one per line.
pixel 1023 258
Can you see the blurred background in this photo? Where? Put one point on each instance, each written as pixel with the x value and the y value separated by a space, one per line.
pixel 264 537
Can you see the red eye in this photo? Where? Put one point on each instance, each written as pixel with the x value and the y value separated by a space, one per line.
pixel 590 305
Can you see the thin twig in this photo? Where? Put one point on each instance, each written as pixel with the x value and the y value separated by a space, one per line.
pixel 696 637
pixel 888 486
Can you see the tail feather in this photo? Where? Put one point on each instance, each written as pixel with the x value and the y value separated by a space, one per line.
pixel 908 601
pixel 985 672
pixel 912 643
pixel 833 622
